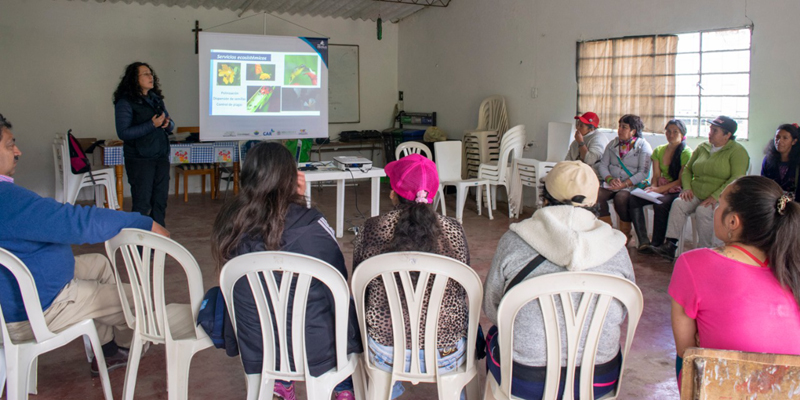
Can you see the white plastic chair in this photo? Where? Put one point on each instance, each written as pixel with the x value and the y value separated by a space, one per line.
pixel 68 185
pixel 499 173
pixel 449 169
pixel 174 325
pixel 18 361
pixel 524 175
pixel 431 268
pixel 406 148
pixel 263 268
pixel 493 115
pixel 598 290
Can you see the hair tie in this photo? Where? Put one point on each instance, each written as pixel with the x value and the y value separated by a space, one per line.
pixel 796 126
pixel 422 196
pixel 782 201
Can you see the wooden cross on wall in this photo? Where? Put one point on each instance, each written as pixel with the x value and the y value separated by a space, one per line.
pixel 196 31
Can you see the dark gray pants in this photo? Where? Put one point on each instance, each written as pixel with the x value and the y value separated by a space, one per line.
pixel 149 180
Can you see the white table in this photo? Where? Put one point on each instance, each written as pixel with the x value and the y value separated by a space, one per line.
pixel 329 173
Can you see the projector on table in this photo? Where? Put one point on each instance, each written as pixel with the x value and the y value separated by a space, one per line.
pixel 345 163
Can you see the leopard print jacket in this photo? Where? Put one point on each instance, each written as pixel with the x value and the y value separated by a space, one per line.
pixel 373 239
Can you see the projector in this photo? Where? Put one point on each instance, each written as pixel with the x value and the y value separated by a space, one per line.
pixel 345 163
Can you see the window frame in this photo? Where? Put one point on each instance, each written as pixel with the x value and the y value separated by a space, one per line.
pixel 702 120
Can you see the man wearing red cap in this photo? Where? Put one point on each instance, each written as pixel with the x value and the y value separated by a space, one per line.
pixel 588 145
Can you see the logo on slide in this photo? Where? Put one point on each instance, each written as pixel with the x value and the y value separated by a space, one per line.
pixel 255 133
pixel 322 45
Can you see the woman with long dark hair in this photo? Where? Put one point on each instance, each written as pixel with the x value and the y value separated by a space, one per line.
pixel 270 214
pixel 781 159
pixel 625 165
pixel 144 124
pixel 744 295
pixel 668 161
pixel 414 226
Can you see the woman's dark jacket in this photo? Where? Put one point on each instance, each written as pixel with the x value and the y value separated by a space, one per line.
pixel 134 121
pixel 306 232
pixel 771 170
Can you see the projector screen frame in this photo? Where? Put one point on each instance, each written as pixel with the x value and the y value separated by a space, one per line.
pixel 236 105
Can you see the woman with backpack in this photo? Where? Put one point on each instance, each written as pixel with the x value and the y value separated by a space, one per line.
pixel 270 214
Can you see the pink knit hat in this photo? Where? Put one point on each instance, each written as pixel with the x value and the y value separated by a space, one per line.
pixel 414 178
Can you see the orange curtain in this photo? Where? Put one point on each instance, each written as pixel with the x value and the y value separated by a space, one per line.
pixel 628 76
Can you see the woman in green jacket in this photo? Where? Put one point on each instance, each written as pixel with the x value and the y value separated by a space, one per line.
pixel 714 165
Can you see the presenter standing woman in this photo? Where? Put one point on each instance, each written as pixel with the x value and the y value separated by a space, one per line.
pixel 144 124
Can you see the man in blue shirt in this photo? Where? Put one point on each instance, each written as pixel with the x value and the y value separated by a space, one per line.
pixel 40 231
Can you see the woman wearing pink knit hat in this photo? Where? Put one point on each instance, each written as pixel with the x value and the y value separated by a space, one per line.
pixel 414 226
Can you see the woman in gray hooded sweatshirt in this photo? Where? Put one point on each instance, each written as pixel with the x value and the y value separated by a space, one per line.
pixel 568 234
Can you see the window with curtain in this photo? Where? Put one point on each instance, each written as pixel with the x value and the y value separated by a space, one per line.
pixel 693 77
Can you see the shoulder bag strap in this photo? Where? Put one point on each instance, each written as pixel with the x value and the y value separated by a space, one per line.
pixel 522 274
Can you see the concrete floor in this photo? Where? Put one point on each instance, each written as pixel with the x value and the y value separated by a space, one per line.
pixel 64 373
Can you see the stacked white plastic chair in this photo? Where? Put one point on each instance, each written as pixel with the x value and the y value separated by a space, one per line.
pixel 499 173
pixel 431 268
pixel 175 325
pixel 449 168
pixel 584 315
pixel 263 268
pixel 18 360
pixel 523 175
pixel 68 185
pixel 482 144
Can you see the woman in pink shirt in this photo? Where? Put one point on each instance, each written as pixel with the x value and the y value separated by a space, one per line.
pixel 744 295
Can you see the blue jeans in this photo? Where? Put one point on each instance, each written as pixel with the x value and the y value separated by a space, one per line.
pixel 383 356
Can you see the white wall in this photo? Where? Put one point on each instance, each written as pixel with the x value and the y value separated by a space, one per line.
pixel 451 58
pixel 62 60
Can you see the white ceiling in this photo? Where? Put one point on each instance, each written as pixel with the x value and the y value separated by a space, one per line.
pixel 352 9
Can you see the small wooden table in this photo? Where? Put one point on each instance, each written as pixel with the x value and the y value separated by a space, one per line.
pixel 181 153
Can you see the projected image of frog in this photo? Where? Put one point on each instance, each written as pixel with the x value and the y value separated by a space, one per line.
pixel 263 99
pixel 301 70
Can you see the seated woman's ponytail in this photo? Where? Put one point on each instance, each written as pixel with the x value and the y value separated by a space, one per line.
pixel 417 227
pixel 771 222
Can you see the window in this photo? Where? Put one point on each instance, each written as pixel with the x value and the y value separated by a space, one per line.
pixel 693 77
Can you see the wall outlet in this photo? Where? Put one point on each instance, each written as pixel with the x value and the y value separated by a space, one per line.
pixel 534 92
pixel 531 145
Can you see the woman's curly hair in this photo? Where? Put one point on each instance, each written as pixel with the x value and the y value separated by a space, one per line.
pixel 129 88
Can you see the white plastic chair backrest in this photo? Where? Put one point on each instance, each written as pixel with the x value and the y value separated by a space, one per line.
pixel 64 167
pixel 655 140
pixel 144 255
pixel 276 270
pixel 448 154
pixel 493 115
pixel 512 143
pixel 559 137
pixel 598 290
pixel 610 134
pixel 406 148
pixel 527 171
pixel 58 170
pixel 30 299
pixel 431 267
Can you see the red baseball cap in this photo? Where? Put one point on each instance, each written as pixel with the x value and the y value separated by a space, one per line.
pixel 589 118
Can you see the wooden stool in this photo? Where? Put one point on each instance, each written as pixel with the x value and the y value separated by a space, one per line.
pixel 201 169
